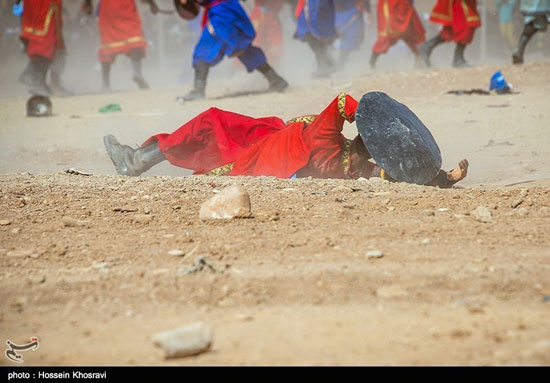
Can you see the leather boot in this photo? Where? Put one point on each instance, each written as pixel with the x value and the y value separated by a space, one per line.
pixel 106 76
pixel 459 61
pixel 135 56
pixel 373 58
pixel 325 64
pixel 528 31
pixel 40 67
pixel 129 161
pixel 427 48
pixel 276 82
pixel 201 73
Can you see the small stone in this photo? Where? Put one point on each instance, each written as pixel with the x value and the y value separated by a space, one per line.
pixel 160 271
pixel 483 214
pixel 362 179
pixel 516 203
pixel 4 222
pixel 20 253
pixel 391 208
pixel 391 292
pixel 169 235
pixel 385 201
pixel 19 303
pixel 427 213
pixel 244 317
pixel 232 202
pixel 142 218
pixel 442 209
pixel 17 230
pixel 38 279
pixel 425 241
pixel 374 254
pixel 176 253
pixel 147 210
pixel 71 222
pixel 184 341
pixel 544 211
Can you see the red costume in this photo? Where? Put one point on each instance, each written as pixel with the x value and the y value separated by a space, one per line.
pixel 269 31
pixel 41 28
pixel 219 142
pixel 120 29
pixel 459 19
pixel 397 19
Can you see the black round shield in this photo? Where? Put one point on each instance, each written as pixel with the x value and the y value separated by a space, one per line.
pixel 397 140
pixel 187 9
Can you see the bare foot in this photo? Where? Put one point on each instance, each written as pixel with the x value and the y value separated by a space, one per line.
pixel 459 173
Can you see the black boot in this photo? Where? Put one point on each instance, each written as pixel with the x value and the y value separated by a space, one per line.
pixel 201 73
pixel 427 48
pixel 106 76
pixel 135 56
pixel 26 77
pixel 528 31
pixel 459 61
pixel 373 58
pixel 276 82
pixel 40 67
pixel 325 64
pixel 132 162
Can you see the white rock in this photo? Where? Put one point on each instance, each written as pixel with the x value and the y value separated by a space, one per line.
pixel 483 214
pixel 176 253
pixel 232 202
pixel 4 222
pixel 391 292
pixel 142 218
pixel 374 254
pixel 71 222
pixel 184 341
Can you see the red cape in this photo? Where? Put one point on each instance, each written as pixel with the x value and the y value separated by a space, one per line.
pixel 41 27
pixel 120 28
pixel 397 19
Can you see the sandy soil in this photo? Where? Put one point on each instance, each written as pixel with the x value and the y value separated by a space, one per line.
pixel 293 284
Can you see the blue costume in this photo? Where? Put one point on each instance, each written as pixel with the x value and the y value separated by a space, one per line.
pixel 228 31
pixel 350 24
pixel 317 18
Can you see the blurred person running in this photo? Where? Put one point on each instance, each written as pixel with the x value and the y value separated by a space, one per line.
pixel 536 18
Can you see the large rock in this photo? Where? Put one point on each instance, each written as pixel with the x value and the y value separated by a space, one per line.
pixel 232 202
pixel 184 341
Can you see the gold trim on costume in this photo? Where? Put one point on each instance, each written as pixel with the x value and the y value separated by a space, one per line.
pixel 117 44
pixel 307 119
pixel 342 107
pixel 54 9
pixel 221 171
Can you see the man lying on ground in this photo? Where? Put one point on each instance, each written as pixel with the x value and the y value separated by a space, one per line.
pixel 218 142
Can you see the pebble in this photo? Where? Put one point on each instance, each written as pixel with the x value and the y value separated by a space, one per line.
pixel 37 279
pixel 101 265
pixel 427 213
pixel 544 211
pixel 391 208
pixel 483 214
pixel 176 253
pixel 516 203
pixel 199 264
pixel 341 189
pixel 184 341
pixel 71 222
pixel 4 222
pixel 19 303
pixel 20 253
pixel 142 218
pixel 374 254
pixel 231 202
pixel 17 230
pixel 425 241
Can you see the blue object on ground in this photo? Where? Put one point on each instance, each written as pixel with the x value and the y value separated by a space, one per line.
pixel 498 83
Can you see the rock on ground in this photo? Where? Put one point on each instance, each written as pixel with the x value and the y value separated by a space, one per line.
pixel 185 341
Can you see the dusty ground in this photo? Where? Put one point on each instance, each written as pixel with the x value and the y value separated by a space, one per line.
pixel 292 284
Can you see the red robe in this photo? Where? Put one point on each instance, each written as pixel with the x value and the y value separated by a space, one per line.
pixel 459 19
pixel 120 29
pixel 397 19
pixel 269 31
pixel 220 142
pixel 41 27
